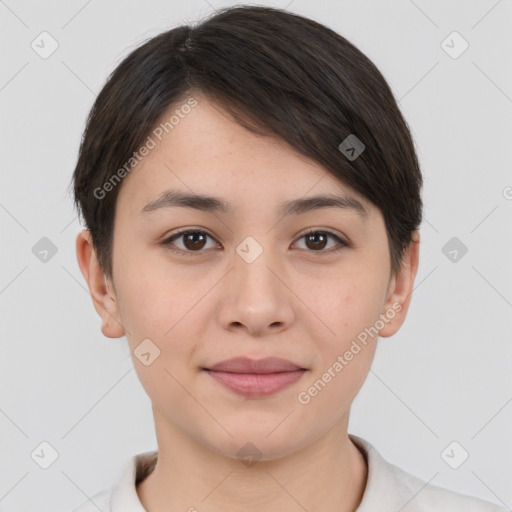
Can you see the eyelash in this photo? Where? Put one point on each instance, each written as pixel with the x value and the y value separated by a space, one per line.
pixel 168 241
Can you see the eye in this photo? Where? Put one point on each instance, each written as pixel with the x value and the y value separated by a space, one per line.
pixel 316 240
pixel 193 240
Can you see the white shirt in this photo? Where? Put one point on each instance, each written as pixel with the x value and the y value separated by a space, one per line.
pixel 388 489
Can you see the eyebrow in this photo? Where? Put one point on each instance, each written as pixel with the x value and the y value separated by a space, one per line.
pixel 177 198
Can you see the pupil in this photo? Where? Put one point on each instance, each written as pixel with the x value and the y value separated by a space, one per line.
pixel 190 237
pixel 312 236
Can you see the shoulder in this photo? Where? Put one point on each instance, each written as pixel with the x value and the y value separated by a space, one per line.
pixel 390 488
pixel 123 497
pixel 100 502
pixel 427 497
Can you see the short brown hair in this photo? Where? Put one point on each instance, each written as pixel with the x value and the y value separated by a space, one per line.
pixel 278 74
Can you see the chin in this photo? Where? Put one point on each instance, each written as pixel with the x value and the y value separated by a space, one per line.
pixel 258 442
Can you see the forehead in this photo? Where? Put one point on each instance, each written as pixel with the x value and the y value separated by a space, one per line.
pixel 205 151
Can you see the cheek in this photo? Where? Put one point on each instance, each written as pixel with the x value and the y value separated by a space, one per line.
pixel 171 314
pixel 149 302
pixel 162 314
pixel 346 349
pixel 347 306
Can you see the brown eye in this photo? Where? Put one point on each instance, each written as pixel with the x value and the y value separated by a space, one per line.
pixel 317 240
pixel 195 240
pixel 191 240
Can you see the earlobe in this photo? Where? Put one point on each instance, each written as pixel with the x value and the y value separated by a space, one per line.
pixel 400 289
pixel 105 302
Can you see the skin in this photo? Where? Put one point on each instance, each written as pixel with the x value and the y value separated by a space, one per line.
pixel 294 301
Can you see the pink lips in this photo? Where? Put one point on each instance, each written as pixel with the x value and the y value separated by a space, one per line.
pixel 256 378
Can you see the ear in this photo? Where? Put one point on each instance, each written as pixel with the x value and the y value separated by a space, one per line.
pixel 104 300
pixel 400 289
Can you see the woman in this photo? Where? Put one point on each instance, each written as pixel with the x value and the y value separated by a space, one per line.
pixel 252 199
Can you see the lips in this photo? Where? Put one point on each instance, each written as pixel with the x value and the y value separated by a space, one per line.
pixel 256 378
pixel 246 365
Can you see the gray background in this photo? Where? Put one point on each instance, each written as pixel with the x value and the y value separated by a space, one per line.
pixel 444 377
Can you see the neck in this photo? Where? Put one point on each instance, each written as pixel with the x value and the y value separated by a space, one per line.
pixel 329 474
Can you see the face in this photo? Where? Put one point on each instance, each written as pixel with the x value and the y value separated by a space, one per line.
pixel 251 280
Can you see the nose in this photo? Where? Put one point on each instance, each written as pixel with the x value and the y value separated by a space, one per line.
pixel 256 297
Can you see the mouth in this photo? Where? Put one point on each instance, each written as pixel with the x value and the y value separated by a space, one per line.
pixel 256 378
